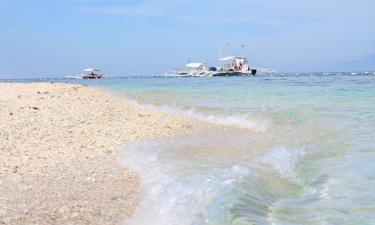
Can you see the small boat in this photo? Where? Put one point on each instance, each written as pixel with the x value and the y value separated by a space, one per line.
pixel 91 73
pixel 229 66
pixel 193 70
pixel 234 66
pixel 197 69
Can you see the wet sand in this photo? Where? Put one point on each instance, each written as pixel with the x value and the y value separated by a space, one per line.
pixel 59 159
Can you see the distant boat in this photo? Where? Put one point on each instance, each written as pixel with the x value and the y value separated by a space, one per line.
pixel 91 73
pixel 234 66
pixel 229 66
pixel 193 70
pixel 197 69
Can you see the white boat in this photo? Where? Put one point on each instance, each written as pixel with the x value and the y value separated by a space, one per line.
pixel 197 69
pixel 193 70
pixel 91 73
pixel 229 66
pixel 234 66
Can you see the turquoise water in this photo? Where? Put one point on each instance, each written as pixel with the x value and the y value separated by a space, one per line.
pixel 304 153
pixel 308 158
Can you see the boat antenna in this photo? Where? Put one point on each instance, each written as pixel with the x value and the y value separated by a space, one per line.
pixel 227 48
pixel 220 56
pixel 242 50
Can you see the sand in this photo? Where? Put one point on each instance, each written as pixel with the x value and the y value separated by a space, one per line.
pixel 59 153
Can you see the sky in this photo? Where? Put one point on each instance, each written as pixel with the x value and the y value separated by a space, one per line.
pixel 55 38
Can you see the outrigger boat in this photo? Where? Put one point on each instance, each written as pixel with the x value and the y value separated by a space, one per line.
pixel 193 70
pixel 196 69
pixel 234 66
pixel 237 66
pixel 229 66
pixel 91 73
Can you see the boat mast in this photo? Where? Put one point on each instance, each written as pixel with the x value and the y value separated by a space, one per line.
pixel 227 48
pixel 242 50
pixel 220 56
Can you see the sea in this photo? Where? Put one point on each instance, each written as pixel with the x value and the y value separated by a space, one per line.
pixel 304 152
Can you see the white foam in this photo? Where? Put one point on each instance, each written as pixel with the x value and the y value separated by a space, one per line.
pixel 187 180
pixel 235 119
pixel 242 121
pixel 282 159
pixel 174 194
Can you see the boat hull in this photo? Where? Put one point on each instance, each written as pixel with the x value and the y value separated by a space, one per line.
pixel 234 73
pixel 91 77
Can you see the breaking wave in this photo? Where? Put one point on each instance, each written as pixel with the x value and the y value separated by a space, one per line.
pixel 192 180
pixel 232 118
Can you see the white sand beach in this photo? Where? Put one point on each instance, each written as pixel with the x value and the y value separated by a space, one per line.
pixel 59 162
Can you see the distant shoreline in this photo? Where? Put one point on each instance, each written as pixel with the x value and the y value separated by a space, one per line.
pixel 65 78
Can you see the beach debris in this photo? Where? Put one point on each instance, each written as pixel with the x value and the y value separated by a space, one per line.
pixel 187 126
pixel 11 114
pixel 15 169
pixel 39 93
pixel 34 107
pixel 115 198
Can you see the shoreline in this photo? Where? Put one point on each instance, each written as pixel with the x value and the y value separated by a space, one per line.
pixel 59 158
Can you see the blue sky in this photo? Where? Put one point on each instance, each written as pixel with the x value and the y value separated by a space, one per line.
pixel 133 37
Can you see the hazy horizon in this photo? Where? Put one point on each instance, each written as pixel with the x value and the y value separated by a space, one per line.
pixel 137 38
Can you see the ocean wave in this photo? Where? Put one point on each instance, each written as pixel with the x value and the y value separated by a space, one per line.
pixel 173 192
pixel 243 120
pixel 203 180
pixel 282 159
pixel 238 120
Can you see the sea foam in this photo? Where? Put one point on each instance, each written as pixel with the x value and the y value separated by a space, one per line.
pixel 244 120
pixel 192 179
pixel 282 159
pixel 177 190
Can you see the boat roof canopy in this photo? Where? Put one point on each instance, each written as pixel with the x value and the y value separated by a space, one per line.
pixel 194 65
pixel 227 58
pixel 91 70
pixel 231 58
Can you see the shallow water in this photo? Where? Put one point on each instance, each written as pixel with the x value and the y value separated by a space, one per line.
pixel 308 159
